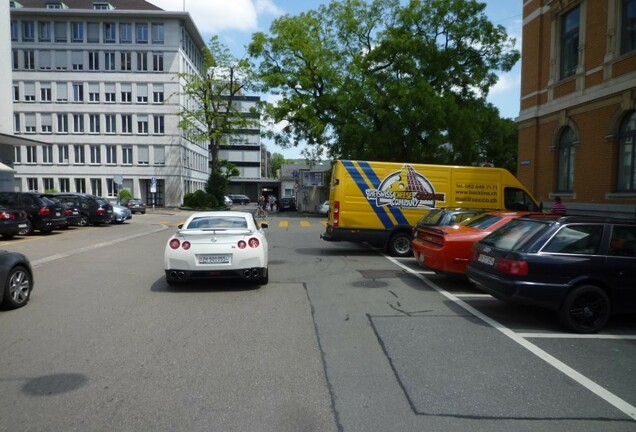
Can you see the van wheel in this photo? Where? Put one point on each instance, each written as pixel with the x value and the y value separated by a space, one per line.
pixel 399 245
pixel 586 309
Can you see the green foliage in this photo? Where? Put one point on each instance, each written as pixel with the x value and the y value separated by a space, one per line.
pixel 50 191
pixel 124 194
pixel 386 79
pixel 200 200
pixel 216 186
pixel 276 161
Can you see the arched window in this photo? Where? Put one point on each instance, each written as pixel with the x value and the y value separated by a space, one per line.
pixel 565 170
pixel 627 155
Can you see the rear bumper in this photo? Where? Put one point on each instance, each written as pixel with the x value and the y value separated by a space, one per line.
pixel 250 273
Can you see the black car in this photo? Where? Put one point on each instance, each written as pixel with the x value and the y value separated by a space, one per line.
pixel 584 268
pixel 287 204
pixel 239 199
pixel 135 205
pixel 93 210
pixel 43 214
pixel 12 222
pixel 71 209
pixel 17 277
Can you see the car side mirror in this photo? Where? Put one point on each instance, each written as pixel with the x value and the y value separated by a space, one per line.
pixel 264 225
pixel 180 226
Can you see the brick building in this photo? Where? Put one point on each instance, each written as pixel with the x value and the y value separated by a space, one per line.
pixel 577 123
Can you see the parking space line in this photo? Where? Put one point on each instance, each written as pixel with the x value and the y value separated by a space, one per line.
pixel 574 336
pixel 467 295
pixel 305 224
pixel 283 224
pixel 581 379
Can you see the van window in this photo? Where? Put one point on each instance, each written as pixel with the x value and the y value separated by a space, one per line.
pixel 518 200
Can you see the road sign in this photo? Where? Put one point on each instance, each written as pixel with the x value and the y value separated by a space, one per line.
pixel 118 179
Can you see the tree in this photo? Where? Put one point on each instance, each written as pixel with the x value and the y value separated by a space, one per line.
pixel 276 161
pixel 209 110
pixel 383 80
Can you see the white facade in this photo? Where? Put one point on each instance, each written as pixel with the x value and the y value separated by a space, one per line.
pixel 101 88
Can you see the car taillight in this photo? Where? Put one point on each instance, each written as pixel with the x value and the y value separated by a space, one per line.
pixel 101 211
pixel 336 213
pixel 68 212
pixel 253 242
pixel 174 244
pixel 44 211
pixel 241 244
pixel 513 267
pixel 186 245
pixel 6 215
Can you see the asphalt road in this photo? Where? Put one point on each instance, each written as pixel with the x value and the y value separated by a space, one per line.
pixel 342 339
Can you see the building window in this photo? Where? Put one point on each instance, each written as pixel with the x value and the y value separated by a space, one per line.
pixel 125 33
pixel 48 184
pixel 628 26
pixel 92 32
pixel 32 154
pixel 93 61
pixel 78 123
pixel 14 31
pixel 29 59
pixel 141 32
pixel 111 155
pixel 45 92
pixel 32 184
pixel 126 93
pixel 47 156
pixel 93 92
pixel 60 32
pixel 77 32
pixel 45 60
pixel 109 61
pixel 62 154
pixel 142 125
pixel 80 157
pixel 29 123
pixel 17 155
pixel 28 31
pixel 159 155
pixel 126 155
pixel 80 185
pixel 110 32
pixel 16 123
pixel 96 186
pixel 16 92
pixel 142 61
pixel 157 33
pixel 96 154
pixel 77 60
pixel 126 60
pixel 158 125
pixel 111 123
pixel 44 31
pixel 62 125
pixel 62 92
pixel 61 60
pixel 569 58
pixel 15 56
pixel 65 185
pixel 157 93
pixel 565 169
pixel 93 123
pixel 29 92
pixel 109 93
pixel 157 62
pixel 46 123
pixel 142 155
pixel 627 155
pixel 142 93
pixel 102 6
pixel 78 92
pixel 126 123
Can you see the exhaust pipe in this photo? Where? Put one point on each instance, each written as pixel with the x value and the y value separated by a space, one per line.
pixel 173 274
pixel 255 272
pixel 181 275
pixel 247 273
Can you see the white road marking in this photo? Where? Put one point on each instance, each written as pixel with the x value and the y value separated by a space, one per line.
pixel 574 336
pixel 601 392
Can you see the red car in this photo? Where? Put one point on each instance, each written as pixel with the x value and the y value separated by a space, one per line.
pixel 448 249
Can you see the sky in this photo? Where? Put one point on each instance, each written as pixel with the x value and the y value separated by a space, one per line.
pixel 234 21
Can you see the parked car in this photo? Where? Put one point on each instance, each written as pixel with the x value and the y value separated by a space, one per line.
pixel 448 249
pixel 136 205
pixel 12 222
pixel 239 199
pixel 93 209
pixel 42 213
pixel 120 214
pixel 582 268
pixel 287 204
pixel 446 217
pixel 228 201
pixel 323 208
pixel 71 209
pixel 17 279
pixel 223 244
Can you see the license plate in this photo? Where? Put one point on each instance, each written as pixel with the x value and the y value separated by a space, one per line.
pixel 58 213
pixel 22 225
pixel 485 259
pixel 213 259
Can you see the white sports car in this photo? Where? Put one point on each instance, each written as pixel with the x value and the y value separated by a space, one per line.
pixel 221 244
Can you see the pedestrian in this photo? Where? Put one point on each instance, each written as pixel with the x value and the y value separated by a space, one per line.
pixel 558 208
pixel 272 203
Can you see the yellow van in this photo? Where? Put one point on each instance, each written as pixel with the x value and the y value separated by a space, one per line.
pixel 379 202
